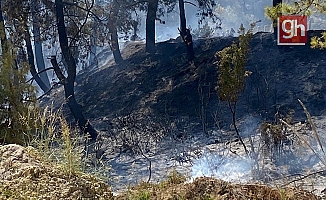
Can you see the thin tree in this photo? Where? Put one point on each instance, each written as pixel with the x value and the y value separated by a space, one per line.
pixel 17 18
pixel 150 25
pixel 114 40
pixel 232 74
pixel 68 82
pixel 205 8
pixel 112 17
pixel 185 33
pixel 17 97
pixel 154 12
pixel 275 3
pixel 38 49
pixel 3 36
pixel 30 57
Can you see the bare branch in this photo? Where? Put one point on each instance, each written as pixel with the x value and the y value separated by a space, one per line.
pixel 313 127
pixel 304 177
pixel 57 70
pixel 85 9
pixel 150 163
pixel 46 93
pixel 85 21
pixel 49 4
pixel 190 3
pixel 134 4
pixel 44 70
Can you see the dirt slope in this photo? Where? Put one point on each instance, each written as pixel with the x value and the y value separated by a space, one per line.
pixel 167 86
pixel 172 91
pixel 25 175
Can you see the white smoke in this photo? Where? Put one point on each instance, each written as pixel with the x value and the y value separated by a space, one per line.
pixel 224 164
pixel 227 168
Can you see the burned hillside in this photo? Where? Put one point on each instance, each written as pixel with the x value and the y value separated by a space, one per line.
pixel 166 86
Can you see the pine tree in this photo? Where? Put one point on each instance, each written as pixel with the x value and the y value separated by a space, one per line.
pixel 232 73
pixel 17 100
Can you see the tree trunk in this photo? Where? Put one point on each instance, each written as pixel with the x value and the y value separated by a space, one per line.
pixel 114 43
pixel 92 62
pixel 71 71
pixel 275 2
pixel 183 22
pixel 114 40
pixel 30 56
pixel 185 33
pixel 233 111
pixel 3 37
pixel 150 25
pixel 38 47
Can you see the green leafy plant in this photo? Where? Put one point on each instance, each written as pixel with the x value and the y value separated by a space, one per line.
pixel 286 9
pixel 17 100
pixel 318 42
pixel 232 73
pixel 143 195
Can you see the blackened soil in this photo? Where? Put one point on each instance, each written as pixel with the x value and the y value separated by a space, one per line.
pixel 167 86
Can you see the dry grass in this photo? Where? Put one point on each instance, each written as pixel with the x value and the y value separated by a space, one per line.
pixel 26 175
pixel 51 167
pixel 204 188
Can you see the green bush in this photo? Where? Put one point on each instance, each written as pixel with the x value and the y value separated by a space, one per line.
pixel 17 100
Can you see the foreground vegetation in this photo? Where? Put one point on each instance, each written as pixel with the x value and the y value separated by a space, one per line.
pixel 26 175
pixel 53 166
pixel 210 188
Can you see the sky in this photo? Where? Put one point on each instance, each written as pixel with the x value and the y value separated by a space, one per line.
pixel 231 15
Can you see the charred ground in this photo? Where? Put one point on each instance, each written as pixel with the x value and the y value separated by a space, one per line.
pixel 166 86
pixel 169 93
